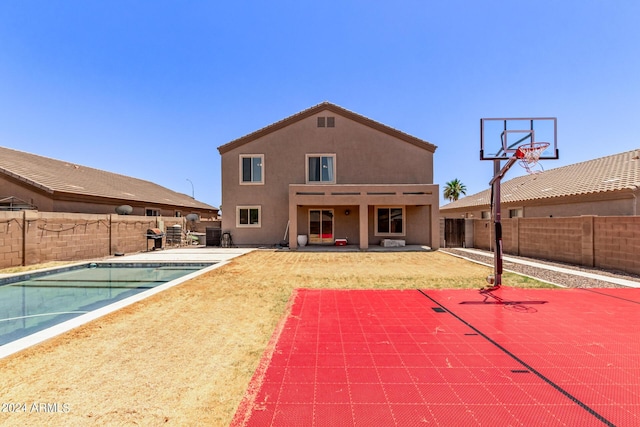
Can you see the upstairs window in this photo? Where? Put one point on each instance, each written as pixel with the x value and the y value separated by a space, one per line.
pixel 252 169
pixel 321 168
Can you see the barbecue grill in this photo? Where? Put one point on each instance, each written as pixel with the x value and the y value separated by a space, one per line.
pixel 156 235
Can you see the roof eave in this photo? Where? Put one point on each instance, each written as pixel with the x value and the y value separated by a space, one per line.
pixel 79 197
pixel 27 181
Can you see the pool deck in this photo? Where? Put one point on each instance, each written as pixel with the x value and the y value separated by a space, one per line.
pixel 194 254
pixel 356 248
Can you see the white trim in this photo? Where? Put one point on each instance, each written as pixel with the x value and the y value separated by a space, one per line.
pixel 306 168
pixel 258 225
pixel 240 170
pixel 375 219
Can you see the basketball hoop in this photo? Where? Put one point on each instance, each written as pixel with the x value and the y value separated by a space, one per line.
pixel 530 153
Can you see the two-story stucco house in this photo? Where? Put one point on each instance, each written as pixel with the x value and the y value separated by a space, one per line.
pixel 328 173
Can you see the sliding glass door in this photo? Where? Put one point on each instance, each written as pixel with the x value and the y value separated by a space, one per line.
pixel 321 226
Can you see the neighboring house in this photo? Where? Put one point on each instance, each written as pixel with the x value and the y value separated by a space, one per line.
pixel 29 181
pixel 328 173
pixel 607 186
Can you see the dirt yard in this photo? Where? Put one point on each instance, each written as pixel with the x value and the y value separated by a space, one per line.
pixel 185 356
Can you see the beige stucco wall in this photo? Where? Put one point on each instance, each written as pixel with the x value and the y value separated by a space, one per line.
pixel 618 203
pixel 602 207
pixel 363 156
pixel 9 187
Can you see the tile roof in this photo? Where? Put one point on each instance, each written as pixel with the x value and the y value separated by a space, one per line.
pixel 56 176
pixel 323 106
pixel 617 172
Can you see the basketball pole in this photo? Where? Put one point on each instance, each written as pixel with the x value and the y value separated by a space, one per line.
pixel 526 150
pixel 498 173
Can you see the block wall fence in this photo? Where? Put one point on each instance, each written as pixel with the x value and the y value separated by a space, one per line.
pixel 32 237
pixel 611 243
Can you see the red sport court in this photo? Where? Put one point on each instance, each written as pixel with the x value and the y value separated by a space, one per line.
pixel 512 357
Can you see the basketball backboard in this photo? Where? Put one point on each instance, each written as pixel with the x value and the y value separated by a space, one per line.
pixel 501 137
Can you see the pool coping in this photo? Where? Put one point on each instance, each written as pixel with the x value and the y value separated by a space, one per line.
pixel 19 277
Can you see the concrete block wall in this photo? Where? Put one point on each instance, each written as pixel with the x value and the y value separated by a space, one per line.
pixel 593 241
pixel 616 243
pixel 53 236
pixel 483 237
pixel 32 237
pixel 128 233
pixel 11 238
pixel 559 239
pixel 510 235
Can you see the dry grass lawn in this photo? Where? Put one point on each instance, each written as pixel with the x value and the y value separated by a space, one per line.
pixel 51 264
pixel 186 356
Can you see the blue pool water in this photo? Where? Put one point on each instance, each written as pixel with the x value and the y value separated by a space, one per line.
pixel 33 302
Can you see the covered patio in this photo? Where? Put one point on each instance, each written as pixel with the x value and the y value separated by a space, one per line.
pixel 419 204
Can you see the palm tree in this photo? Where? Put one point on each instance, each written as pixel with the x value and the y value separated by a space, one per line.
pixel 453 190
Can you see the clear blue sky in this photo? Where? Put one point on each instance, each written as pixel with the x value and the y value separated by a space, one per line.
pixel 150 89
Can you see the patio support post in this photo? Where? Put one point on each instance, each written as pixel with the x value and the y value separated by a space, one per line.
pixel 293 226
pixel 435 223
pixel 363 215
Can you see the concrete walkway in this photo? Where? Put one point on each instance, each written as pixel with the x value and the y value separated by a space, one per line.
pixel 566 270
pixel 191 254
pixel 356 248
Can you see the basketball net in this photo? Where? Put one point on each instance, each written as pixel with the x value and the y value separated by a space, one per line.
pixel 529 154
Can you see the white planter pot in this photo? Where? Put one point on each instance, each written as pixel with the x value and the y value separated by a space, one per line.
pixel 302 240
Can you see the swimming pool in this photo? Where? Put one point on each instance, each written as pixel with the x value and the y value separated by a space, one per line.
pixel 35 302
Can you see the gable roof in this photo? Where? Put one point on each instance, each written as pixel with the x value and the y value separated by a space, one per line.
pixel 617 172
pixel 56 176
pixel 326 106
